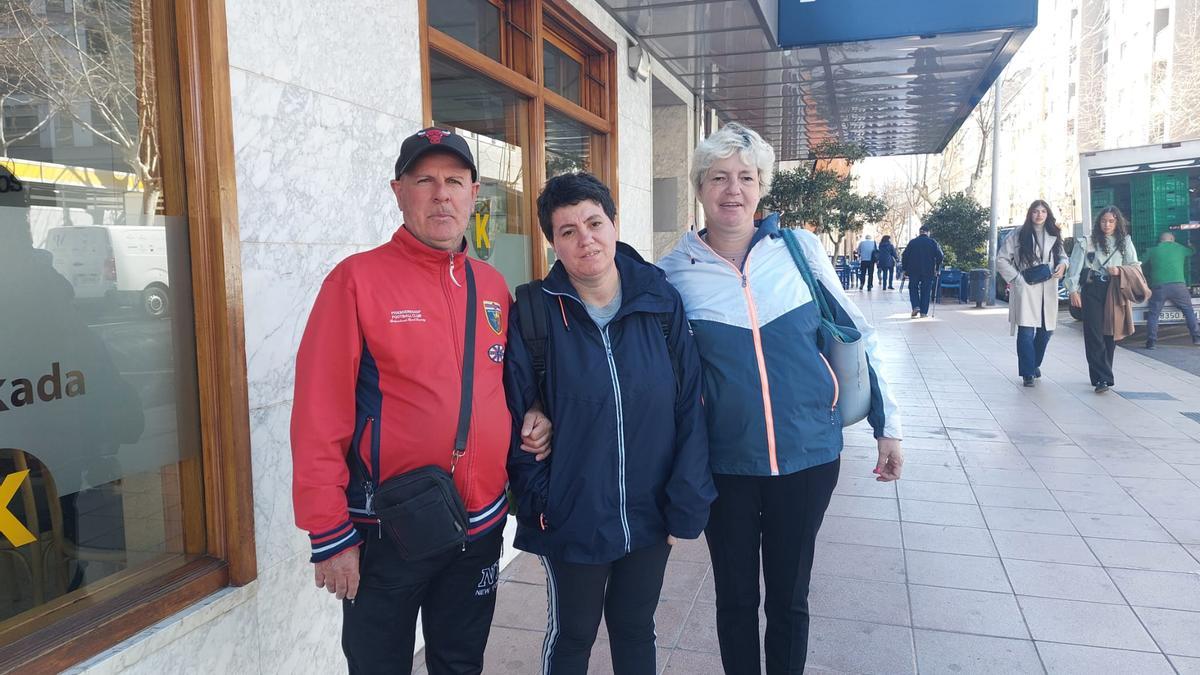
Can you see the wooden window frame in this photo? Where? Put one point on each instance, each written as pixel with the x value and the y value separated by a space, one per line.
pixel 197 132
pixel 571 32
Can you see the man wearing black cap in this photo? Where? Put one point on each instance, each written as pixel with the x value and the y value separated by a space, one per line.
pixel 387 390
pixel 922 259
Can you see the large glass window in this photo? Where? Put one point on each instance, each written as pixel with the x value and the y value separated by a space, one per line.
pixel 99 423
pixel 523 130
pixel 493 120
pixel 475 23
pixel 561 72
pixel 568 145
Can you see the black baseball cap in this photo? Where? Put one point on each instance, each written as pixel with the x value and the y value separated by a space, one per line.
pixel 434 139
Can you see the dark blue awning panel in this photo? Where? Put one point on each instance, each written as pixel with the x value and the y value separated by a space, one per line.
pixel 898 77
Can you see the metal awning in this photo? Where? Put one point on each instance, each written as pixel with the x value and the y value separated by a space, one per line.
pixel 772 66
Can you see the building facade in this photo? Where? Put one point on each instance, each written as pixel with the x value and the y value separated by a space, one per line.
pixel 178 178
pixel 1095 75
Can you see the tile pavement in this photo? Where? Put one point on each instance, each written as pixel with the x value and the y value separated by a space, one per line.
pixel 1044 530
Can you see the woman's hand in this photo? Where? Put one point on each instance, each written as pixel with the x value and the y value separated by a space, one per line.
pixel 1114 271
pixel 891 459
pixel 1059 271
pixel 1076 300
pixel 671 541
pixel 535 433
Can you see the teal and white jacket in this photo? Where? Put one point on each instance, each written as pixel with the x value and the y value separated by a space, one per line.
pixel 770 398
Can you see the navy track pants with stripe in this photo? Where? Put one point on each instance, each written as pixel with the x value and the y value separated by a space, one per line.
pixel 624 591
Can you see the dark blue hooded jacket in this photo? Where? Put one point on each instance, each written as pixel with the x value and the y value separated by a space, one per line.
pixel 630 449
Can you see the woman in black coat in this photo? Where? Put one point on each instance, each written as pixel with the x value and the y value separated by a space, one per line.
pixel 886 260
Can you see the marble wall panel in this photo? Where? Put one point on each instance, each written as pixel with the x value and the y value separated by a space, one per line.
pixel 312 168
pixel 299 625
pixel 637 212
pixel 276 536
pixel 279 284
pixel 216 635
pixel 365 53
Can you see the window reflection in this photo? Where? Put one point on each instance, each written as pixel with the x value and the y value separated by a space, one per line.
pixel 568 145
pixel 493 120
pixel 561 72
pixel 475 23
pixel 98 399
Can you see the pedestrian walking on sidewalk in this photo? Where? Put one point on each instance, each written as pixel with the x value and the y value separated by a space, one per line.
pixel 617 370
pixel 922 260
pixel 1032 260
pixel 886 259
pixel 1096 264
pixel 770 399
pixel 867 250
pixel 1167 263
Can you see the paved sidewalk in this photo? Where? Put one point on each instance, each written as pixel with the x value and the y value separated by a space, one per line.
pixel 1035 530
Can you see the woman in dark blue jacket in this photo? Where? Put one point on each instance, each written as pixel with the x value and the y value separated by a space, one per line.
pixel 887 262
pixel 620 379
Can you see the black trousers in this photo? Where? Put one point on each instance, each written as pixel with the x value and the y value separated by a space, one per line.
pixel 866 275
pixel 778 516
pixel 455 591
pixel 625 591
pixel 1098 347
pixel 886 276
pixel 920 290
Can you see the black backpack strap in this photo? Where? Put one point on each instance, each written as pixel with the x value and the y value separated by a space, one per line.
pixel 665 321
pixel 534 320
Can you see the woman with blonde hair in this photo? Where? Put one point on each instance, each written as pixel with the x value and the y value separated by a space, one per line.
pixel 770 399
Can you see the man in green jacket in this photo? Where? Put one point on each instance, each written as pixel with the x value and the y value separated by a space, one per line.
pixel 1167 263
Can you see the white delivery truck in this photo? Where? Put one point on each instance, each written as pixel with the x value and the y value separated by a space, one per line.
pixel 119 265
pixel 1157 187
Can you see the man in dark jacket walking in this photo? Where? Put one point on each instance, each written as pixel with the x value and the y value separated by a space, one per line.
pixel 922 259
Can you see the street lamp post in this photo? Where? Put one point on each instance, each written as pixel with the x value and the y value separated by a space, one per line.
pixel 993 234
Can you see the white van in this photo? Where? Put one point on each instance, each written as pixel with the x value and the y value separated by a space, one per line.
pixel 123 265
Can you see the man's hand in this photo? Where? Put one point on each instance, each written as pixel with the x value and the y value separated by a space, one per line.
pixel 535 433
pixel 339 574
pixel 1059 271
pixel 891 459
pixel 1076 300
pixel 1114 271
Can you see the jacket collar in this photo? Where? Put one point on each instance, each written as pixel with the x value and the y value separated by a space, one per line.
pixel 696 248
pixel 423 254
pixel 643 286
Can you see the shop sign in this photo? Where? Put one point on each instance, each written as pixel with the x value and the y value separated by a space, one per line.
pixel 11 528
pixel 805 23
pixel 483 229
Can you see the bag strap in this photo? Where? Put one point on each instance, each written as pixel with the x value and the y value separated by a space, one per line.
pixel 818 291
pixel 665 321
pixel 468 374
pixel 534 327
pixel 464 405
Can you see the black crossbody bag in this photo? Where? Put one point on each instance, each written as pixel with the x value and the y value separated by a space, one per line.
pixel 421 510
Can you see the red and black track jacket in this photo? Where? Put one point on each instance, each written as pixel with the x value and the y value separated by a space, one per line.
pixel 381 363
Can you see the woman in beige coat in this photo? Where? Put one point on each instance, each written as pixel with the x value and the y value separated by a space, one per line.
pixel 1032 260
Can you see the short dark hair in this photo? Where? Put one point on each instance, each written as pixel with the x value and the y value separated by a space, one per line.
pixel 924 228
pixel 569 189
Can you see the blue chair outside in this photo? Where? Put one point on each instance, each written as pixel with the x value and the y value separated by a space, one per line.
pixel 843 273
pixel 951 278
